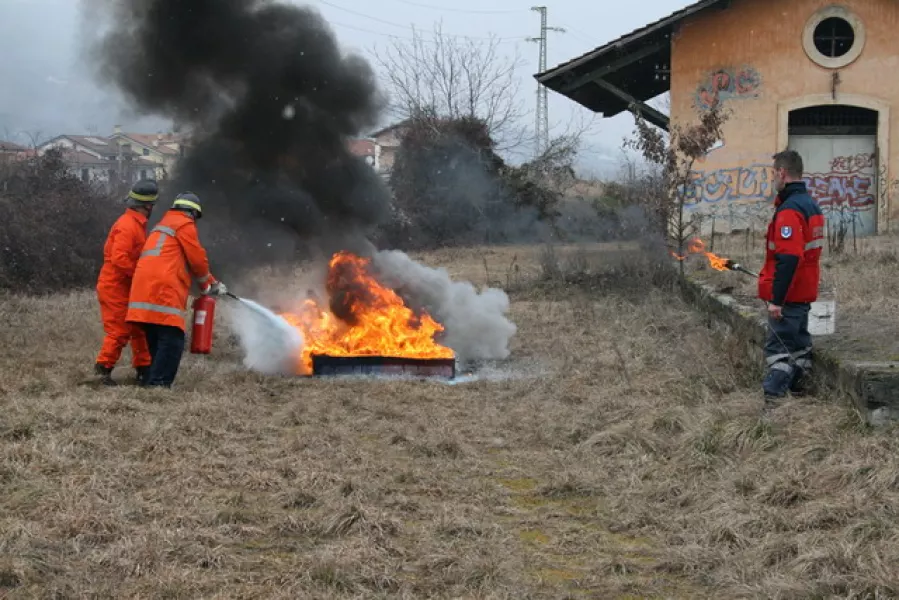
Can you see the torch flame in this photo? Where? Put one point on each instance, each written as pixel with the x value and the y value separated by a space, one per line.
pixel 370 319
pixel 697 246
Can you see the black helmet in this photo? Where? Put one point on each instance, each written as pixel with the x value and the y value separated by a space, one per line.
pixel 188 201
pixel 143 193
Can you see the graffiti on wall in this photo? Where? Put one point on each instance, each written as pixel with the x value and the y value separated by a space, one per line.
pixel 832 190
pixel 751 183
pixel 740 197
pixel 845 185
pixel 849 164
pixel 727 83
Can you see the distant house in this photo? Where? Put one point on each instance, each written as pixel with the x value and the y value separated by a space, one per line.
pixel 12 152
pixel 102 160
pixel 367 149
pixel 388 139
pixel 127 157
pixel 11 148
pixel 161 148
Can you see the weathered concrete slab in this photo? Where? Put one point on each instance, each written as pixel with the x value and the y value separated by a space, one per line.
pixel 873 387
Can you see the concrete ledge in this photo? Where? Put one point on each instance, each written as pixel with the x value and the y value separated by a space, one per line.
pixel 873 387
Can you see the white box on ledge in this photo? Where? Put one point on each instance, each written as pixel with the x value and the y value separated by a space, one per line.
pixel 822 317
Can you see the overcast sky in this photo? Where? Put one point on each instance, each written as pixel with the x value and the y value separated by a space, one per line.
pixel 47 89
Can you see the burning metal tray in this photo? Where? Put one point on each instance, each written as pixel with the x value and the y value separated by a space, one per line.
pixel 325 365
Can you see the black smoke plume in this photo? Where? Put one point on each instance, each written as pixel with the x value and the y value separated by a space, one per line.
pixel 270 100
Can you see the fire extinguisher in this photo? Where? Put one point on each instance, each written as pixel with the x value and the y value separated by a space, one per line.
pixel 201 332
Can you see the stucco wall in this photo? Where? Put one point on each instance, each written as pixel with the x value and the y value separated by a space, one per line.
pixel 759 45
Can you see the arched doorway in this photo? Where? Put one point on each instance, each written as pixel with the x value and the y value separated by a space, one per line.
pixel 838 144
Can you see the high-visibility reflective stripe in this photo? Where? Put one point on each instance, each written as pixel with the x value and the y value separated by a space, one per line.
pixel 810 246
pixel 781 366
pixel 804 364
pixel 169 310
pixel 796 356
pixel 819 243
pixel 776 358
pixel 157 249
pixel 163 232
pixel 188 204
pixel 143 197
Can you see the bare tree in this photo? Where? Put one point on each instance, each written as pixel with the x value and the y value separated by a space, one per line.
pixel 676 152
pixel 455 77
pixel 35 138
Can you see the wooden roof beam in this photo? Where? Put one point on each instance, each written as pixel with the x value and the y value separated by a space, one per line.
pixel 647 112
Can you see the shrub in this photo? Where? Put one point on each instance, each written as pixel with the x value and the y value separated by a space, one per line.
pixel 451 188
pixel 52 229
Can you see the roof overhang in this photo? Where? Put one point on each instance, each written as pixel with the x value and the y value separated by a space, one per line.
pixel 625 73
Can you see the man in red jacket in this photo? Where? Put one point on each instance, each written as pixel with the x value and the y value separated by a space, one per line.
pixel 789 280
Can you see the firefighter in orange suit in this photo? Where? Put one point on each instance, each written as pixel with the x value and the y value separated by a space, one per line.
pixel 171 256
pixel 120 254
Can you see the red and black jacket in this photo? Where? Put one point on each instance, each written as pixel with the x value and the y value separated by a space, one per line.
pixel 793 251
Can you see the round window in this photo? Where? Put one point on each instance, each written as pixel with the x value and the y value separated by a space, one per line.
pixel 833 37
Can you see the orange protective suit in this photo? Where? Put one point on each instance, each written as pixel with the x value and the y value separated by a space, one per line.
pixel 120 254
pixel 171 255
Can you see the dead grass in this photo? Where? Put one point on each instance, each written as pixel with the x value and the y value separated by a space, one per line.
pixel 862 279
pixel 622 457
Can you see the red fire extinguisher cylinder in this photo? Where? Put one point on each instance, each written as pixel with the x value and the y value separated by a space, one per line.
pixel 201 331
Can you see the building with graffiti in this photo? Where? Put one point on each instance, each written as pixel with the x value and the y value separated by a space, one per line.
pixel 805 74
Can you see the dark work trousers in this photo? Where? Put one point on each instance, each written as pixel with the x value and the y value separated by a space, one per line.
pixel 166 347
pixel 788 351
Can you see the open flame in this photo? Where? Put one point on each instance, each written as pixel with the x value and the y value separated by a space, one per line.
pixel 697 246
pixel 363 318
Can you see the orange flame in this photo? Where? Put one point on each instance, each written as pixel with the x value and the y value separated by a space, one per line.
pixel 364 319
pixel 697 246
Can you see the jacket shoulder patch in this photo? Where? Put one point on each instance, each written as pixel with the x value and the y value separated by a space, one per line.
pixel 786 232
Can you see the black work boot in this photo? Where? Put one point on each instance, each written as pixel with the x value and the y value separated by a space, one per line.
pixel 140 375
pixel 105 374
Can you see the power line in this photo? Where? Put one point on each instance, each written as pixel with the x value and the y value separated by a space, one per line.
pixel 463 10
pixel 579 33
pixel 407 27
pixel 363 30
pixel 401 37
pixel 398 37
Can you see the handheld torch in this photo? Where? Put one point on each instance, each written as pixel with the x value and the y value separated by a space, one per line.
pixel 734 266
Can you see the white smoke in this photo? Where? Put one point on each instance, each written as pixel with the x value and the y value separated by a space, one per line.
pixel 475 322
pixel 270 344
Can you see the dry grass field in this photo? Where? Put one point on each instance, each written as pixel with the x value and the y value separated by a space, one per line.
pixel 863 279
pixel 617 454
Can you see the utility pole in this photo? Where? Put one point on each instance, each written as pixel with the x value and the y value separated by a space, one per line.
pixel 542 125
